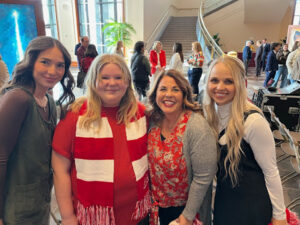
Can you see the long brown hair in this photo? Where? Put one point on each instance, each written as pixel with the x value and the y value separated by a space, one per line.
pixel 155 112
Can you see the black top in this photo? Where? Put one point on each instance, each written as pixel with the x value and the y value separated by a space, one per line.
pixel 247 203
pixel 140 68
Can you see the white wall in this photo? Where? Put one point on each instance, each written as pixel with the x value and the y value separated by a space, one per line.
pixel 154 10
pixel 66 20
pixel 229 23
pixel 134 15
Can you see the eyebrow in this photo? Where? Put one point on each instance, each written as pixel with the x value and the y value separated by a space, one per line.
pixel 45 58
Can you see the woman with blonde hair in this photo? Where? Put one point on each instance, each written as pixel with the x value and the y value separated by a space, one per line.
pixel 249 190
pixel 99 159
pixel 195 71
pixel 157 59
pixel 119 48
pixel 182 154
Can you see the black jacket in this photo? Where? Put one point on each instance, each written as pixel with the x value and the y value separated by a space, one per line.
pixel 259 52
pixel 140 68
pixel 281 57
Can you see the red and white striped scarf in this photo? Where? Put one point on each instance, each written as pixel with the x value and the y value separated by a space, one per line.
pixel 95 169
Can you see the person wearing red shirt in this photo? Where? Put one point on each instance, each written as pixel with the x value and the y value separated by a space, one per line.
pixel 157 59
pixel 100 152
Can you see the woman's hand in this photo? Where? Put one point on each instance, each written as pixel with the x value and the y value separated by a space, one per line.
pixel 158 67
pixel 183 221
pixel 1 222
pixel 279 222
pixel 71 220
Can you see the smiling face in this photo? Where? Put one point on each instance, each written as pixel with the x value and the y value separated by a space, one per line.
pixel 221 86
pixel 48 69
pixel 169 96
pixel 111 85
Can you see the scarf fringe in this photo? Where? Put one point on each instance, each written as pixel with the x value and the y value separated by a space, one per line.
pixel 293 219
pixel 95 215
pixel 142 208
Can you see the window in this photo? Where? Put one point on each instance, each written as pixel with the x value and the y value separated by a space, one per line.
pixel 50 18
pixel 297 13
pixel 93 14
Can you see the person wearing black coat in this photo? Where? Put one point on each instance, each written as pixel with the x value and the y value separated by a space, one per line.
pixel 140 69
pixel 258 57
pixel 272 64
pixel 266 50
pixel 247 53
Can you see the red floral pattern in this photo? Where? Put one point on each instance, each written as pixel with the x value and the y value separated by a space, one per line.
pixel 168 171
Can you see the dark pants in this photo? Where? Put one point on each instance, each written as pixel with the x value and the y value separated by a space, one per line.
pixel 258 65
pixel 263 62
pixel 246 64
pixel 269 75
pixel 194 76
pixel 141 88
pixel 144 221
pixel 167 215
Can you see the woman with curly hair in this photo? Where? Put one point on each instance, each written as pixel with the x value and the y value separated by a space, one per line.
pixel 28 119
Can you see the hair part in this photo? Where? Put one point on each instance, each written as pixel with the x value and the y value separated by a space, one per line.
pixel 177 48
pixel 155 112
pixel 91 51
pixel 196 46
pixel 128 105
pixel 138 46
pixel 155 44
pixel 240 104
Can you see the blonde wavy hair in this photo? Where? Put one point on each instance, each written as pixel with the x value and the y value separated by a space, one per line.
pixel 240 105
pixel 128 105
pixel 155 45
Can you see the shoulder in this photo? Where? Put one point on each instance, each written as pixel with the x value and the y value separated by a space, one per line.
pixel 141 108
pixel 255 121
pixel 18 97
pixel 197 122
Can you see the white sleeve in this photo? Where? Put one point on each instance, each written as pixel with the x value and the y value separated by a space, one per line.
pixel 258 134
pixel 172 61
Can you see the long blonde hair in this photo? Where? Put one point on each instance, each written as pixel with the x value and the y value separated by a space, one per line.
pixel 128 104
pixel 235 129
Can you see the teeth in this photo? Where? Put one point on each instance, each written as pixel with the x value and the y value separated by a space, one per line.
pixel 168 103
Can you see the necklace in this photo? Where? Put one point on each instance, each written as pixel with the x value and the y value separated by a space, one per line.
pixel 42 103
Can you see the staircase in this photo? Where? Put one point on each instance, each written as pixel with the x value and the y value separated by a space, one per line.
pixel 182 30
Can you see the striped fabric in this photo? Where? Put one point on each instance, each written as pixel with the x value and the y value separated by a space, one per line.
pixel 94 163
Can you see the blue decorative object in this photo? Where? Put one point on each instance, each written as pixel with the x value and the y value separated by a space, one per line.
pixel 18 26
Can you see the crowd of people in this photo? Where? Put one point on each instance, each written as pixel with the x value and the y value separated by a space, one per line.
pixel 114 160
pixel 275 60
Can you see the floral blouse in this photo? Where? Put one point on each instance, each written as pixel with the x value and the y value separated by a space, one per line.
pixel 168 171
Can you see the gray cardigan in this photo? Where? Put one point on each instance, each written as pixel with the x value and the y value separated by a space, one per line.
pixel 200 151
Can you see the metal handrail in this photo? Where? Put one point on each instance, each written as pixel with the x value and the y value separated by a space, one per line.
pixel 215 50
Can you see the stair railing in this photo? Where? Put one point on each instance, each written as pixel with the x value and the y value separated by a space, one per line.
pixel 210 48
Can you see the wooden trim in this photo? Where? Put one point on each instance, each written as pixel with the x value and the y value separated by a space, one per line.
pixel 38 10
pixel 77 20
pixel 74 64
pixel 57 26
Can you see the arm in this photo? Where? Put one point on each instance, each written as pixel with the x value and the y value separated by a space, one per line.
pixel 4 75
pixel 61 164
pixel 152 59
pixel 13 110
pixel 147 65
pixel 202 152
pixel 260 138
pixel 163 60
pixel 289 62
pixel 63 191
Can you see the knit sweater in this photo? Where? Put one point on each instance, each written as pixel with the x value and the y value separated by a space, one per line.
pixel 200 151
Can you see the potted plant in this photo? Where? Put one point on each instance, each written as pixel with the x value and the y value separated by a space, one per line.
pixel 115 31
